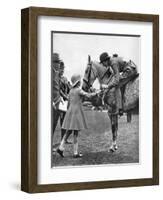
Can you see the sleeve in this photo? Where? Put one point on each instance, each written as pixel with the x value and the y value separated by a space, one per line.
pixel 68 86
pixel 65 96
pixel 64 88
pixel 55 88
pixel 116 77
pixel 86 94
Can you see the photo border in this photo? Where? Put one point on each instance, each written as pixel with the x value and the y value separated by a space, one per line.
pixel 29 174
pixel 52 51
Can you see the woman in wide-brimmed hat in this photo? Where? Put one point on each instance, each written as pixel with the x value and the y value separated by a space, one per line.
pixel 75 119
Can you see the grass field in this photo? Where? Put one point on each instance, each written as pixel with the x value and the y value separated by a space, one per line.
pixel 94 143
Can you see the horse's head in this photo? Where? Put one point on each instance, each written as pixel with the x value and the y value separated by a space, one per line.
pixel 89 77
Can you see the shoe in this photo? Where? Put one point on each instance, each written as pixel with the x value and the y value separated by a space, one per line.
pixel 79 155
pixel 60 152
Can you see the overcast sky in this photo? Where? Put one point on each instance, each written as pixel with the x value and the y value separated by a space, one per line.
pixel 75 48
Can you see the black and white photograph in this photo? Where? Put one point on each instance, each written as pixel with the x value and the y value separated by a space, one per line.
pixel 94 99
pixel 90 99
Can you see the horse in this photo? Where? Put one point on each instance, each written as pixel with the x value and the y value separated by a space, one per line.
pixel 128 84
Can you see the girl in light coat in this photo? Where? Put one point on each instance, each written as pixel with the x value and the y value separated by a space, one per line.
pixel 75 119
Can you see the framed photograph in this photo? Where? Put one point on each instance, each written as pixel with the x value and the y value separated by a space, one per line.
pixel 89 99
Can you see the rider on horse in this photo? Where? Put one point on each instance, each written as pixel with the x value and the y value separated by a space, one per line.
pixel 113 74
pixel 122 73
pixel 112 93
pixel 114 65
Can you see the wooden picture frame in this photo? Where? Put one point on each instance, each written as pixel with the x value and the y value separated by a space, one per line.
pixel 29 115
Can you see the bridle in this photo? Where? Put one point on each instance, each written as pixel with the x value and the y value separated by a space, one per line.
pixel 88 84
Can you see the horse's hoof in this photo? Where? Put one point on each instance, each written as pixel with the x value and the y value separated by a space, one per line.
pixel 111 149
pixel 115 147
pixel 79 155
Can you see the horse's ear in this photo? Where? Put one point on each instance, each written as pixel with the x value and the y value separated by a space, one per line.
pixel 89 59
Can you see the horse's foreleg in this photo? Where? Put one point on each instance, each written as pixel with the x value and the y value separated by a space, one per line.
pixel 114 127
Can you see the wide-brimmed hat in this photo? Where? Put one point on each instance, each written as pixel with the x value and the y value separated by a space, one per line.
pixel 55 58
pixel 104 56
pixel 75 79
